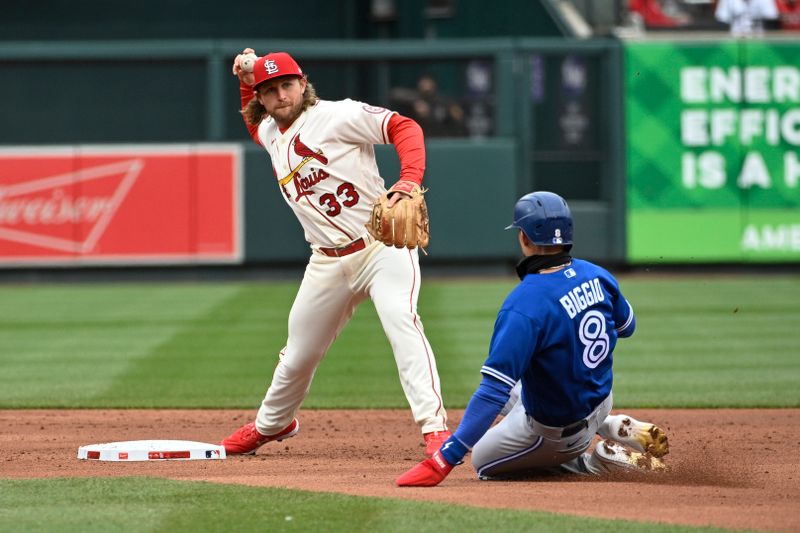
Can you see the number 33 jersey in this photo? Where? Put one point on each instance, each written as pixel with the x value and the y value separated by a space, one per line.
pixel 325 167
pixel 556 332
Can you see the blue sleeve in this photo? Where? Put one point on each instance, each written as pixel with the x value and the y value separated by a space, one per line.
pixel 624 317
pixel 622 314
pixel 514 341
pixel 483 408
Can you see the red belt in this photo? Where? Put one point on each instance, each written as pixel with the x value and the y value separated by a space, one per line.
pixel 347 249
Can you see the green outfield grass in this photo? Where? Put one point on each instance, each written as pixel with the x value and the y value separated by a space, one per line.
pixel 141 504
pixel 701 341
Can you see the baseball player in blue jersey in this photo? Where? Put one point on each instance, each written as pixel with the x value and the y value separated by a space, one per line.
pixel 549 369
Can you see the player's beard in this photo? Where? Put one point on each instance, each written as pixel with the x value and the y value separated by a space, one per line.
pixel 284 116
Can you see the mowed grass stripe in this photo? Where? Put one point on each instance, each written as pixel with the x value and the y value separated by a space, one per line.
pixel 700 341
pixel 222 357
pixel 148 504
pixel 706 342
pixel 225 358
pixel 64 344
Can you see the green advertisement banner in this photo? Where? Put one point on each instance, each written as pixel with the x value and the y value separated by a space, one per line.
pixel 713 151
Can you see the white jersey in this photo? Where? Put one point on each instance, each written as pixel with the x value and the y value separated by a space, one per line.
pixel 325 167
pixel 746 16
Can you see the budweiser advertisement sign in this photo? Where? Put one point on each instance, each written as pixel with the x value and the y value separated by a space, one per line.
pixel 126 205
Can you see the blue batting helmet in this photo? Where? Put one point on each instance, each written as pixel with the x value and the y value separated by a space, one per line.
pixel 544 217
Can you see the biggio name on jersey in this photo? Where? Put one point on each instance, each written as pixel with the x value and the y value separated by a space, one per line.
pixel 582 296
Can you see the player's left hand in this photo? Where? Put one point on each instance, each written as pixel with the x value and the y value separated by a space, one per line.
pixel 398 191
pixel 428 473
pixel 393 199
pixel 399 217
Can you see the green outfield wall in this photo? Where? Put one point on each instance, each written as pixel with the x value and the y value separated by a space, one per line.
pixel 538 114
pixel 668 151
pixel 713 164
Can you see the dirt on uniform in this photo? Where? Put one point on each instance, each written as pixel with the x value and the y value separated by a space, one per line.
pixel 731 468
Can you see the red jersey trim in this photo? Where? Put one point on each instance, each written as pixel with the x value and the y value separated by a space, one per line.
pixel 421 335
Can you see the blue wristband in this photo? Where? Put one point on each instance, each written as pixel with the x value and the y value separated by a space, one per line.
pixel 453 450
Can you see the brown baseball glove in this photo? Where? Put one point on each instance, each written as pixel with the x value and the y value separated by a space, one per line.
pixel 404 223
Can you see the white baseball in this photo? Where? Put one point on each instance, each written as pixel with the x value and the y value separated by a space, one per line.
pixel 247 62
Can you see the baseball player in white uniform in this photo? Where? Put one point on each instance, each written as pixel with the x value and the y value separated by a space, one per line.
pixel 323 157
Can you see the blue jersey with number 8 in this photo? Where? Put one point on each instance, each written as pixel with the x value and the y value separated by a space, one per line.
pixel 556 332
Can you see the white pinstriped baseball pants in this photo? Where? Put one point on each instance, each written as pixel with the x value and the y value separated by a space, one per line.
pixel 331 289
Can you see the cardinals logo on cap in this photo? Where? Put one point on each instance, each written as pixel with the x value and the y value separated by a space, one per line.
pixel 274 65
pixel 270 66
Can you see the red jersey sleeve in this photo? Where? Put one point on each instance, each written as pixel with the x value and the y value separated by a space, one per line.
pixel 246 93
pixel 408 140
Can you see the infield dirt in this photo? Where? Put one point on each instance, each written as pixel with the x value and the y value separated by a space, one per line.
pixel 732 468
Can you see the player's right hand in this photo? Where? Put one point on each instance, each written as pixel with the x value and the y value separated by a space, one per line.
pixel 248 78
pixel 428 473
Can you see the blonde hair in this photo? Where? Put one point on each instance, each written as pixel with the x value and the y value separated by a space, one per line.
pixel 254 112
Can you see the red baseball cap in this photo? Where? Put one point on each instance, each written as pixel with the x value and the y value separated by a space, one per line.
pixel 275 65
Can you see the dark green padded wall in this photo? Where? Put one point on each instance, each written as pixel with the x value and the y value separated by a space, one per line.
pixel 72 101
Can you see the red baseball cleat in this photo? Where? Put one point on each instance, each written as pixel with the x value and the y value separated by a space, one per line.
pixel 434 441
pixel 428 473
pixel 246 440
